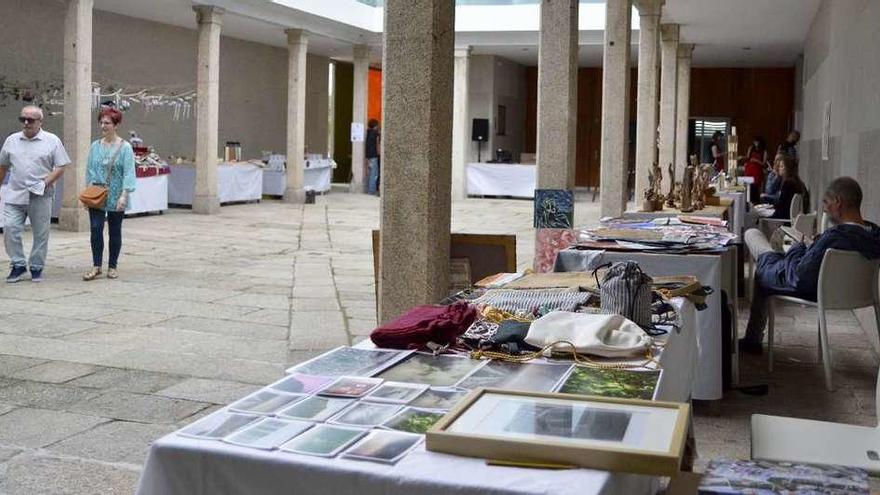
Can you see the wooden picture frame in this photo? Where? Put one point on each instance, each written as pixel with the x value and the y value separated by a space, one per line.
pixel 453 434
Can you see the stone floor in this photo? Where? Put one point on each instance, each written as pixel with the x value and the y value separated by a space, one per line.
pixel 208 309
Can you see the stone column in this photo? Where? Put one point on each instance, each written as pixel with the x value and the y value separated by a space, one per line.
pixel 297 48
pixel 648 91
pixel 668 93
pixel 683 108
pixel 417 146
pixel 615 108
pixel 209 19
pixel 557 93
pixel 77 110
pixel 461 141
pixel 359 115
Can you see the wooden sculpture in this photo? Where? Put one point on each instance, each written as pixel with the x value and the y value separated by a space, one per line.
pixel 687 184
pixel 670 198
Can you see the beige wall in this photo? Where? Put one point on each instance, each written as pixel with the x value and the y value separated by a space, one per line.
pixel 317 103
pixel 130 52
pixel 494 81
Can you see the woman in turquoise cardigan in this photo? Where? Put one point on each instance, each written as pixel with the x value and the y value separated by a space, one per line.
pixel 110 148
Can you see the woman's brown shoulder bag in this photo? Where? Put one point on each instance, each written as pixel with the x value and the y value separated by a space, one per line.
pixel 95 195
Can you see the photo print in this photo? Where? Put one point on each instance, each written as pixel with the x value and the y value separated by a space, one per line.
pixel 529 377
pixel 383 446
pixel 297 383
pixel 264 402
pixel 366 414
pixel 351 386
pixel 438 398
pixel 324 440
pixel 267 434
pixel 396 392
pixel 350 361
pixel 315 408
pixel 413 420
pixel 443 370
pixel 627 384
pixel 218 425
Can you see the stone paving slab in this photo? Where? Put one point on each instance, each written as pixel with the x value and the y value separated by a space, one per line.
pixel 41 326
pixel 232 328
pixel 32 428
pixel 144 382
pixel 11 364
pixel 44 395
pixel 41 475
pixel 203 390
pixel 55 372
pixel 116 441
pixel 138 407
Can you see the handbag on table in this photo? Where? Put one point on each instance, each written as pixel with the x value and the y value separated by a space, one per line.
pixel 95 195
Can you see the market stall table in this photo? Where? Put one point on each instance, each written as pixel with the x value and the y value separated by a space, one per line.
pixel 317 175
pixel 714 270
pixel 179 465
pixel 501 179
pixel 236 182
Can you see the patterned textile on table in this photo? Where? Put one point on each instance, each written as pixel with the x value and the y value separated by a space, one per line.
pixel 533 301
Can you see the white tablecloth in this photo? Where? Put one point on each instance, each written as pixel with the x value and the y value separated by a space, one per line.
pixel 501 179
pixel 185 466
pixel 316 178
pixel 235 182
pixel 151 194
pixel 737 211
pixel 709 269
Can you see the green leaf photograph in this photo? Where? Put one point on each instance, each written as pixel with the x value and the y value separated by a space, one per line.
pixel 628 384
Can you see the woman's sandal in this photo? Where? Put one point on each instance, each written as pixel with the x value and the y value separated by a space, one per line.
pixel 92 274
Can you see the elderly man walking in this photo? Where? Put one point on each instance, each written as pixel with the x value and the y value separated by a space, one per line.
pixel 35 159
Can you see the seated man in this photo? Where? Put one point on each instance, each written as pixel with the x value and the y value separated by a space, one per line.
pixel 796 272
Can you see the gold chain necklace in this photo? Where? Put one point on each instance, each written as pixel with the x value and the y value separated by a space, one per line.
pixel 578 358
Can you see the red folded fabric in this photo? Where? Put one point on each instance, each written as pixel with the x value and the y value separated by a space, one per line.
pixel 423 324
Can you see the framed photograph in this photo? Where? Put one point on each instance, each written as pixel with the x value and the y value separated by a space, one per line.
pixel 267 434
pixel 627 384
pixel 324 440
pixel 315 408
pixel 366 414
pixel 629 435
pixel 265 402
pixel 439 398
pixel 443 370
pixel 218 425
pixel 350 361
pixel 531 377
pixel 554 209
pixel 351 386
pixel 414 420
pixel 396 392
pixel 383 446
pixel 297 383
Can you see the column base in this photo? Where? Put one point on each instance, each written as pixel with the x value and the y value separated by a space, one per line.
pixel 206 205
pixel 294 196
pixel 73 219
pixel 357 187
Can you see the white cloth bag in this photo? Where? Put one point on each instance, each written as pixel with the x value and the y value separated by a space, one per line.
pixel 600 335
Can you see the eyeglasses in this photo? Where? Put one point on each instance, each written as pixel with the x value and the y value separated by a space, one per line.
pixel 27 120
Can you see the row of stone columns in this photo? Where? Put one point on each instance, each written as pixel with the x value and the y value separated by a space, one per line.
pixel 78 108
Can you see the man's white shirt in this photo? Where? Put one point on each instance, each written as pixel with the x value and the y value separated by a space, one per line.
pixel 29 162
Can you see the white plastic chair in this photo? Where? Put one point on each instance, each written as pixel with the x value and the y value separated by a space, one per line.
pixel 847 280
pixel 769 225
pixel 780 439
pixel 802 229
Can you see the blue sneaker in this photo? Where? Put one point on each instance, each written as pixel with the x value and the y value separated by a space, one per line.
pixel 15 274
pixel 36 275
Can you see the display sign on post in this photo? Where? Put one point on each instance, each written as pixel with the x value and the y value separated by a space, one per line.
pixel 357 132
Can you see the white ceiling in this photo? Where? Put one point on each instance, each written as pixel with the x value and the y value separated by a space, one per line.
pixel 772 30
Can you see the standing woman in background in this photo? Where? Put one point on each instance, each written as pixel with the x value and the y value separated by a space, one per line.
pixel 717 151
pixel 110 163
pixel 372 151
pixel 756 161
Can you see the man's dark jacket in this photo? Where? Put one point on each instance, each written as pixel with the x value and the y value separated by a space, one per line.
pixel 797 271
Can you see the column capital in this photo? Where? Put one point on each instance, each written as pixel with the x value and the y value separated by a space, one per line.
pixel 685 50
pixel 463 51
pixel 669 32
pixel 296 36
pixel 649 7
pixel 208 14
pixel 362 51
